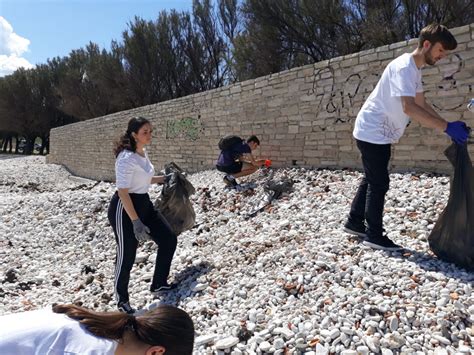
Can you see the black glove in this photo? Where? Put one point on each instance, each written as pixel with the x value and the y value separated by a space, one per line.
pixel 141 231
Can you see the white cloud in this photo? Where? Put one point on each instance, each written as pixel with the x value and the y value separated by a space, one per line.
pixel 8 64
pixel 12 48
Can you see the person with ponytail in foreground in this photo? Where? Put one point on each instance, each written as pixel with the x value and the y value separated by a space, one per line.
pixel 164 330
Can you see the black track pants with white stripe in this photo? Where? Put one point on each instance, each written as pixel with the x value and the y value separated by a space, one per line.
pixel 127 244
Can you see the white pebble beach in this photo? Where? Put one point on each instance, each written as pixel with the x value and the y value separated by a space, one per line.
pixel 287 281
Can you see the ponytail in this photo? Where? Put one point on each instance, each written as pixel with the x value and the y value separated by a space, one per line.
pixel 110 325
pixel 165 326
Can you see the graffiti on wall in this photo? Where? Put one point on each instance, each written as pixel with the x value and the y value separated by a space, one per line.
pixel 448 84
pixel 190 127
pixel 186 127
pixel 338 98
pixel 341 96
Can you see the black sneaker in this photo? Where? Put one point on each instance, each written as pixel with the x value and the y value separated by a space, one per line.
pixel 230 181
pixel 165 287
pixel 382 243
pixel 357 230
pixel 126 308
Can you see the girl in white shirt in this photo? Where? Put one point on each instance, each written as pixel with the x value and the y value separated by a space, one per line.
pixel 164 330
pixel 132 215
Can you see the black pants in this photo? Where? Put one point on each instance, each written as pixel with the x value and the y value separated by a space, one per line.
pixel 368 203
pixel 127 244
pixel 234 168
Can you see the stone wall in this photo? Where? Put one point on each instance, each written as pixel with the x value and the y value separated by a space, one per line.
pixel 303 117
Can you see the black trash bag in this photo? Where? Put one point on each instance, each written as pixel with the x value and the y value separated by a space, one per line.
pixel 278 187
pixel 452 238
pixel 173 205
pixel 273 191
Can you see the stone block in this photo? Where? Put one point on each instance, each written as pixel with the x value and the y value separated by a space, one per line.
pixel 299 111
pixel 385 55
pixel 368 58
pixel 459 30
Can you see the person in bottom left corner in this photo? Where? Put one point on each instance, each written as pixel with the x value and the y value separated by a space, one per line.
pixel 132 215
pixel 79 331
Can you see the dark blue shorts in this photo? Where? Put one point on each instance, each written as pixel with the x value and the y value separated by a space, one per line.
pixel 236 167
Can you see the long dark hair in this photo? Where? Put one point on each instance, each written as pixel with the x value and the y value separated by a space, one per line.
pixel 165 326
pixel 126 141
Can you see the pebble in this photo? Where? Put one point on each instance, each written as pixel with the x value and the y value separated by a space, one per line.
pixel 279 343
pixel 226 343
pixel 321 350
pixel 442 339
pixel 362 350
pixel 334 333
pixel 204 339
pixel 265 346
pixel 288 279
pixel 199 287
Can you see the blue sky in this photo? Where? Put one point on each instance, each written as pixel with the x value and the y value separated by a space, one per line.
pixel 31 31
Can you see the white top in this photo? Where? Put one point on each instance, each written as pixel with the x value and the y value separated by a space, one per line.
pixel 44 332
pixel 381 119
pixel 133 172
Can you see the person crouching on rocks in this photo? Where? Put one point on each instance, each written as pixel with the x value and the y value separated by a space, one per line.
pixel 132 215
pixel 237 160
pixel 164 330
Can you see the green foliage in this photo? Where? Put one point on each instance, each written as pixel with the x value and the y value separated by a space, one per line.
pixel 282 34
pixel 218 43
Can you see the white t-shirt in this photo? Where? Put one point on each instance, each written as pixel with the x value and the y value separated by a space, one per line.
pixel 133 172
pixel 44 332
pixel 381 119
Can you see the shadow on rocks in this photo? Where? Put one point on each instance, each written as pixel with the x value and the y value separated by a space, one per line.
pixel 7 156
pixel 430 262
pixel 185 278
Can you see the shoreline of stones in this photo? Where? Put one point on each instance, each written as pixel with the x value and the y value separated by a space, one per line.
pixel 287 281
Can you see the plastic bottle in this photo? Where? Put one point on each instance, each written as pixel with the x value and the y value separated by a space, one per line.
pixel 470 105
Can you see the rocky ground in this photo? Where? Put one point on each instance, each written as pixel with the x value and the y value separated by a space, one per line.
pixel 287 281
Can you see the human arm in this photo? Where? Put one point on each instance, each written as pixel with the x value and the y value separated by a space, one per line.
pixel 140 230
pixel 127 204
pixel 124 170
pixel 421 101
pixel 430 109
pixel 249 158
pixel 418 110
pixel 160 179
pixel 406 83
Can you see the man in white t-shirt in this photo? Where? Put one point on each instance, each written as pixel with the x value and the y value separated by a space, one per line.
pixel 382 120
